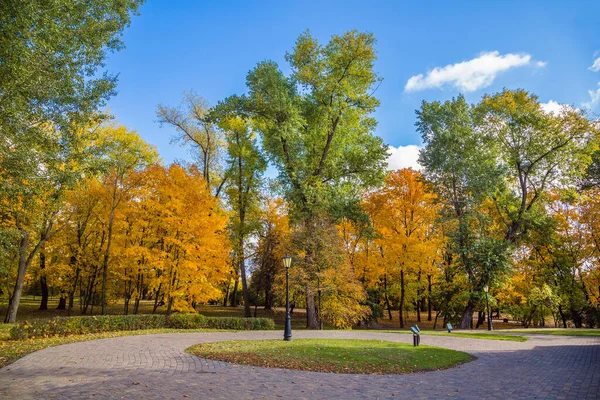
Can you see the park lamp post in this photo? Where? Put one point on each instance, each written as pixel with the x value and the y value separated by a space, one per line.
pixel 486 289
pixel 287 333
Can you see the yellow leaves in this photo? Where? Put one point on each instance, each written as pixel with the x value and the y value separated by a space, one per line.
pixel 404 213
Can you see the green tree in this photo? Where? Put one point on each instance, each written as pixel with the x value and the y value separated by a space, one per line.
pixel 461 165
pixel 245 168
pixel 195 127
pixel 541 152
pixel 50 88
pixel 317 129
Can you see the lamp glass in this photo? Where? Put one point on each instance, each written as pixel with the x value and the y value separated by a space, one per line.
pixel 486 288
pixel 287 261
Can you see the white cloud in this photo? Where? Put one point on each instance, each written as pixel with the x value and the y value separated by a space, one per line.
pixel 594 99
pixel 404 157
pixel 552 107
pixel 470 75
pixel 596 65
pixel 541 64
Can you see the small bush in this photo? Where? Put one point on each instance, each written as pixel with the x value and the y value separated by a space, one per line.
pixel 197 321
pixel 240 324
pixel 107 323
pixel 81 325
pixel 187 321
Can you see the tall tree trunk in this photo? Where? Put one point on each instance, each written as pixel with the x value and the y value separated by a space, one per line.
pixel 385 296
pixel 107 252
pixel 480 319
pixel 226 294
pixel 242 266
pixel 402 294
pixel 562 316
pixel 15 298
pixel 43 282
pixel 242 205
pixel 157 296
pixel 312 321
pixel 136 305
pixel 233 300
pixel 73 288
pixel 437 314
pixel 419 296
pixel 467 318
pixel 62 302
pixel 428 297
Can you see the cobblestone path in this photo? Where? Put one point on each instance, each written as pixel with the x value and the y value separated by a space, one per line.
pixel 157 367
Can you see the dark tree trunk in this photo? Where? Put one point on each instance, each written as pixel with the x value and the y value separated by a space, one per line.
pixel 480 319
pixel 62 302
pixel 386 298
pixel 269 298
pixel 312 321
pixel 157 296
pixel 429 298
pixel 401 311
pixel 15 298
pixel 242 266
pixel 226 294
pixel 233 300
pixel 73 288
pixel 467 318
pixel 562 316
pixel 43 282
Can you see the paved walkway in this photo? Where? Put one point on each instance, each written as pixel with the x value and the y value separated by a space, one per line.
pixel 157 367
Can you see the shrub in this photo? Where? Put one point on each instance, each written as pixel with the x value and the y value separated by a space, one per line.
pixel 187 321
pixel 197 321
pixel 84 324
pixel 109 323
pixel 249 324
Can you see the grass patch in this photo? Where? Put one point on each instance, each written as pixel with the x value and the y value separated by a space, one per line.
pixel 487 336
pixel 559 332
pixel 333 355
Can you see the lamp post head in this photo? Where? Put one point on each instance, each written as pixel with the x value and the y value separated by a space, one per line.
pixel 287 262
pixel 486 288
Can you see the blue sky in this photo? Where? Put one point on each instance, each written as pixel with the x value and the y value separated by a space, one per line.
pixel 471 47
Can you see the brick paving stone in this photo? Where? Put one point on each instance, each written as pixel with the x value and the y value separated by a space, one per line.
pixel 157 367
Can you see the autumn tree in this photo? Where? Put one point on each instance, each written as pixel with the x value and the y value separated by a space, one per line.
pixel 273 244
pixel 50 88
pixel 125 153
pixel 405 221
pixel 33 200
pixel 191 238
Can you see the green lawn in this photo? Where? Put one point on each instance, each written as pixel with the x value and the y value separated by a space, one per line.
pixel 333 355
pixel 473 335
